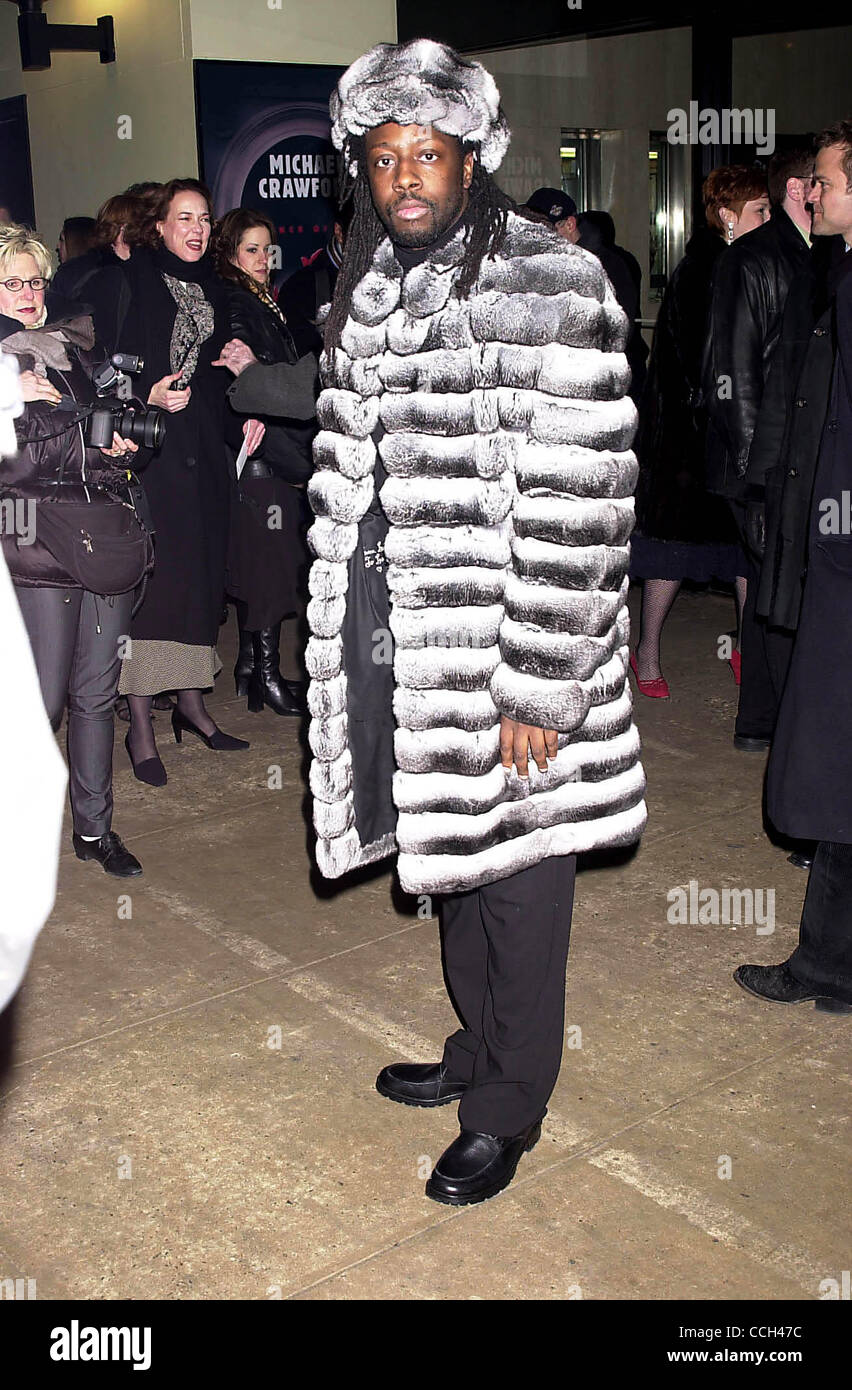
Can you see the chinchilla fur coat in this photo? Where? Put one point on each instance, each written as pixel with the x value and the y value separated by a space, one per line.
pixel 504 433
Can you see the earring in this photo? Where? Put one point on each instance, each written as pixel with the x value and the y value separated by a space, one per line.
pixel 730 232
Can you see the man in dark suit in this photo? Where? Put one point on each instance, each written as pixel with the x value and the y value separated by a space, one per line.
pixel 750 288
pixel 809 777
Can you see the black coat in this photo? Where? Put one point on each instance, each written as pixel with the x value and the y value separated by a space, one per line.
pixel 302 295
pixel 809 777
pixel 186 483
pixel 628 291
pixel 267 565
pixel 286 446
pixel 33 473
pixel 672 502
pixel 785 445
pixel 750 287
pixel 96 284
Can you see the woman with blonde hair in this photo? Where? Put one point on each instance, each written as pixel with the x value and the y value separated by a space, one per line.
pixel 74 633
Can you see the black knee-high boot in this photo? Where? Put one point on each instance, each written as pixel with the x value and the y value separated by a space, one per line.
pixel 245 660
pixel 267 686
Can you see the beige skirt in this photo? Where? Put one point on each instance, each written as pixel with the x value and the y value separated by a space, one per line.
pixel 151 667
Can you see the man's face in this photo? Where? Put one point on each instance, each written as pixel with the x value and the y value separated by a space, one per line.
pixel 567 228
pixel 830 198
pixel 419 179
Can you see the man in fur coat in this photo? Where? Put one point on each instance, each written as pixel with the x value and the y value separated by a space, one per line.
pixel 468 661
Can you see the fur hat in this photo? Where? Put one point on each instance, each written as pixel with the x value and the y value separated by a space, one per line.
pixel 420 83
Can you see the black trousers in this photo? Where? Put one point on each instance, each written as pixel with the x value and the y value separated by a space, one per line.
pixel 765 653
pixel 79 666
pixel 823 957
pixel 505 952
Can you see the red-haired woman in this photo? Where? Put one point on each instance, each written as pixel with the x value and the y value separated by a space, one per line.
pixel 682 531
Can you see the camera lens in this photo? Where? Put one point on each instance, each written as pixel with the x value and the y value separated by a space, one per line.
pixel 144 426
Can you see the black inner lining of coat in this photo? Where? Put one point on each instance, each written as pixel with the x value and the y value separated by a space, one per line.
pixel 369 682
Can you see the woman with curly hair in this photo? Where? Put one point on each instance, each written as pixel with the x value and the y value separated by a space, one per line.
pixel 267 556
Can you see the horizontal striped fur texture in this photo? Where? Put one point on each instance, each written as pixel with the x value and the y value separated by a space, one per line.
pixel 506 444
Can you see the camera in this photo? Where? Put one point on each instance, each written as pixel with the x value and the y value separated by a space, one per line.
pixel 117 410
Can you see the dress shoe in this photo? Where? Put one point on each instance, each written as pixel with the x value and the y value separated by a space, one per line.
pixel 478 1166
pixel 751 745
pixel 778 984
pixel 222 743
pixel 419 1083
pixel 115 858
pixel 266 684
pixel 799 860
pixel 150 770
pixel 657 689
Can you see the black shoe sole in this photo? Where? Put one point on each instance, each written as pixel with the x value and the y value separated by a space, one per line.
pixel 483 1196
pixel 751 745
pixel 420 1104
pixel 823 1003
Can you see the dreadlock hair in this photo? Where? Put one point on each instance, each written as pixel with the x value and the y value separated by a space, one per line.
pixel 488 204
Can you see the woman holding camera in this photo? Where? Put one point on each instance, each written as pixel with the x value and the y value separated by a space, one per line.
pixel 266 563
pixel 75 634
pixel 176 321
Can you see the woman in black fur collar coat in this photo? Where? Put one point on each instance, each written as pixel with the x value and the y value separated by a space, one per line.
pixel 267 557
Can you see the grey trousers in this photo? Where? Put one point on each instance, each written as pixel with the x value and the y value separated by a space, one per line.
pixel 79 666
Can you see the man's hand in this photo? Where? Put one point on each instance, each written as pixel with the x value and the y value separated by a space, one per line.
pixel 236 356
pixel 517 741
pixel 38 388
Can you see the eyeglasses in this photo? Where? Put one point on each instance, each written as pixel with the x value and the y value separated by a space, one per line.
pixel 38 282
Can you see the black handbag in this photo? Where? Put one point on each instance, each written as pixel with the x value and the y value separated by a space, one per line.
pixel 101 543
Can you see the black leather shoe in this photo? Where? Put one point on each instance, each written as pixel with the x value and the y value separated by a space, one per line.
pixel 419 1083
pixel 751 745
pixel 799 860
pixel 478 1166
pixel 778 984
pixel 114 857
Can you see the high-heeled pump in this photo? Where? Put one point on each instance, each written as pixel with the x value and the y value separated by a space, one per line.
pixel 221 743
pixel 150 770
pixel 657 689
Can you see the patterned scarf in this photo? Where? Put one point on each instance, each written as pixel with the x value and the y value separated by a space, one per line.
pixel 192 327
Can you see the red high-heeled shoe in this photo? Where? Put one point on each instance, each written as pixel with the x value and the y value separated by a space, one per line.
pixel 656 689
pixel 735 662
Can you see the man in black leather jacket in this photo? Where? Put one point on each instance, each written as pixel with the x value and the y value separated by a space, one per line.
pixel 750 289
